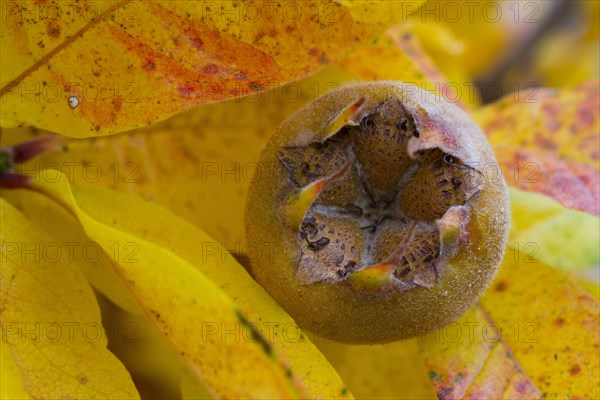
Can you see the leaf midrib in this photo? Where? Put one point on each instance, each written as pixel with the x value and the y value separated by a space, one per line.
pixel 60 47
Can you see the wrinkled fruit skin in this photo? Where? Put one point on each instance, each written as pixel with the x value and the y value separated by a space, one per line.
pixel 384 211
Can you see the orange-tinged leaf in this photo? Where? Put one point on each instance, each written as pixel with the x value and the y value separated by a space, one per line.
pixel 199 163
pixel 467 360
pixel 187 307
pixel 50 319
pixel 553 326
pixel 207 154
pixel 548 142
pixel 111 66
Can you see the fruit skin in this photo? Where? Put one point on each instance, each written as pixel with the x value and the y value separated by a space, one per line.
pixel 348 313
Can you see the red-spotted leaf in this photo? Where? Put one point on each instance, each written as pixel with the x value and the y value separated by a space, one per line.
pixel 552 324
pixel 548 141
pixel 468 360
pixel 534 334
pixel 93 68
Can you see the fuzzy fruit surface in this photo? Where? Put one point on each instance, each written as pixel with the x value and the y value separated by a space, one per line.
pixel 385 212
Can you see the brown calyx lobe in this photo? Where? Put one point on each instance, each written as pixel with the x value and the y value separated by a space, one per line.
pixel 378 205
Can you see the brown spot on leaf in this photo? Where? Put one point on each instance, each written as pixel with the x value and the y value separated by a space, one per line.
pixel 574 370
pixel 196 42
pixel 210 69
pixel 53 29
pixel 155 314
pixel 186 90
pixel 500 286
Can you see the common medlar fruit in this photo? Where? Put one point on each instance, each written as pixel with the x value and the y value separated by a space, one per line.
pixel 385 210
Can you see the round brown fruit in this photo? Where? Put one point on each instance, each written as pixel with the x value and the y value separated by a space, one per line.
pixel 384 211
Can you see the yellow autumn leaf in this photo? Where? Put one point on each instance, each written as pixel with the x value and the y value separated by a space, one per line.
pixel 551 324
pixel 169 277
pixel 394 63
pixel 209 153
pixel 549 232
pixel 464 38
pixel 556 59
pixel 445 49
pixel 51 323
pixel 571 55
pixel 388 371
pixel 407 40
pixel 589 280
pixel 546 141
pixel 534 334
pixel 154 367
pixel 191 389
pixel 468 360
pixel 162 164
pixel 81 251
pixel 10 376
pixel 101 68
pixel 198 165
